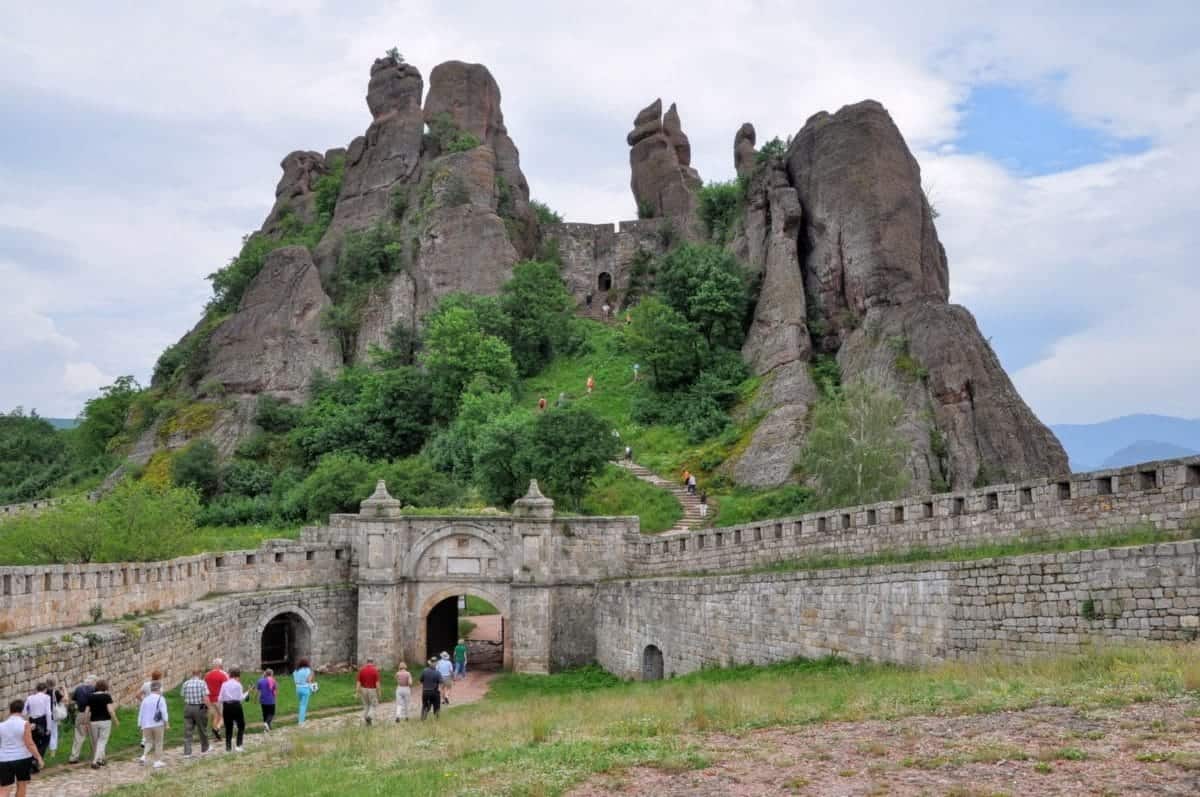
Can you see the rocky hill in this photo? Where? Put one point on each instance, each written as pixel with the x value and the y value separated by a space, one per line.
pixel 361 243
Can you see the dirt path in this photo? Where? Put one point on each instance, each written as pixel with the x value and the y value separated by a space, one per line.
pixel 82 781
pixel 1147 749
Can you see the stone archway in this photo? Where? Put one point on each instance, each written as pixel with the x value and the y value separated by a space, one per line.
pixel 285 635
pixel 652 663
pixel 604 282
pixel 438 619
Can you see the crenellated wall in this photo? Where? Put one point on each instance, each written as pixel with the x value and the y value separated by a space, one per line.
pixel 45 597
pixel 1163 494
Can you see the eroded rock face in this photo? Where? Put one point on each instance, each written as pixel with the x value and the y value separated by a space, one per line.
pixel 295 193
pixel 274 342
pixel 664 183
pixel 743 150
pixel 869 230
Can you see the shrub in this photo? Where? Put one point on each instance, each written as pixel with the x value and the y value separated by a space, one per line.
pixel 545 215
pixel 721 208
pixel 448 136
pixel 414 481
pixel 567 448
pixel 775 148
pixel 276 415
pixel 826 373
pixel 337 484
pixel 539 310
pixel 500 471
pixel 707 286
pixel 196 465
pixel 248 479
pixel 33 456
pixel 666 345
pixel 457 351
pixel 236 510
pixel 328 187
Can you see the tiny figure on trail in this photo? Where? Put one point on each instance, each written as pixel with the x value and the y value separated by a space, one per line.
pixel 267 688
pixel 588 300
pixel 691 484
pixel 703 504
pixel 460 659
pixel 607 309
pixel 445 669
pixel 541 404
pixel 562 400
pixel 306 684
pixel 636 371
pixel 431 690
pixel 367 688
pixel 686 475
pixel 629 453
pixel 591 383
pixel 628 318
pixel 403 691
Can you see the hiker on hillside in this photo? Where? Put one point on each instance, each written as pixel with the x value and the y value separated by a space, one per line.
pixel 196 706
pixel 152 719
pixel 703 504
pixel 102 718
pixel 215 678
pixel 607 309
pixel 403 691
pixel 591 383
pixel 460 659
pixel 232 697
pixel 431 695
pixel 445 669
pixel 306 684
pixel 637 367
pixel 18 753
pixel 37 711
pixel 58 711
pixel 686 475
pixel 691 484
pixel 79 702
pixel 268 694
pixel 366 688
pixel 629 453
pixel 562 400
pixel 542 404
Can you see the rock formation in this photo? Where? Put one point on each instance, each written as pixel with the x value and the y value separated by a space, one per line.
pixel 743 150
pixel 664 183
pixel 852 267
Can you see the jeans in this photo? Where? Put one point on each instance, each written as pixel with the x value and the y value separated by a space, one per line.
pixel 303 693
pixel 460 667
pixel 101 730
pixel 154 741
pixel 403 693
pixel 234 716
pixel 370 699
pixel 195 719
pixel 431 701
pixel 268 710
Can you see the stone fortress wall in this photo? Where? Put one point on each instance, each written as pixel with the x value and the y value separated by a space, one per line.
pixel 593 255
pixel 576 589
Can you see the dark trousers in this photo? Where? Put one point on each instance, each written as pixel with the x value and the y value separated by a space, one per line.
pixel 195 720
pixel 233 715
pixel 431 701
pixel 268 710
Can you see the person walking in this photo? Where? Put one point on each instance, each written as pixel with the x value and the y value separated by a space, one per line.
pixel 431 690
pixel 214 678
pixel 629 453
pixel 196 706
pixel 686 475
pixel 102 718
pixel 691 484
pixel 366 687
pixel 445 669
pixel 79 702
pixel 37 711
pixel 152 719
pixel 403 691
pixel 58 711
pixel 607 309
pixel 591 383
pixel 637 369
pixel 232 696
pixel 542 404
pixel 18 753
pixel 460 659
pixel 305 686
pixel 562 400
pixel 156 675
pixel 268 692
pixel 703 504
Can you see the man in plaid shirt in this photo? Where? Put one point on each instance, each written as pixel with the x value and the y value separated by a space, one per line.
pixel 195 711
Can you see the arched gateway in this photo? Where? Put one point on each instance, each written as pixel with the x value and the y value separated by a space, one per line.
pixel 410 573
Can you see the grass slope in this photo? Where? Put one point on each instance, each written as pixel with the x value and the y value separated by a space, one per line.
pixel 540 735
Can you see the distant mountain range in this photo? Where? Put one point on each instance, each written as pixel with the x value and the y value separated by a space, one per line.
pixel 62 423
pixel 1128 440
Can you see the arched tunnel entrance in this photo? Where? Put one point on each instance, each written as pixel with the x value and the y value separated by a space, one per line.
pixel 286 638
pixel 478 622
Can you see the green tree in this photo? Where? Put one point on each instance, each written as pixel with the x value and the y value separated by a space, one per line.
pixel 197 466
pixel 706 285
pixel 539 309
pixel 457 351
pixel 414 481
pixel 854 451
pixel 33 456
pixel 103 417
pixel 501 470
pixel 248 479
pixel 453 449
pixel 721 208
pixel 567 450
pixel 666 345
pixel 338 483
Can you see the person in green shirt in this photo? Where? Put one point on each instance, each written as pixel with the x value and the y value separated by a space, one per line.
pixel 460 660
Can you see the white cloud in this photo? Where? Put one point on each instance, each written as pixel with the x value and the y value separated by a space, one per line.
pixel 84 378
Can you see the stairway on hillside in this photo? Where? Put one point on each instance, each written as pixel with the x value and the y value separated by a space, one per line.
pixel 691 503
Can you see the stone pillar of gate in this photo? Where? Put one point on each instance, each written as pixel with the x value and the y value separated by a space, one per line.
pixel 533 573
pixel 379 583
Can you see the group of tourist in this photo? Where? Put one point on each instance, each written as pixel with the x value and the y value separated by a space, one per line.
pixel 436 681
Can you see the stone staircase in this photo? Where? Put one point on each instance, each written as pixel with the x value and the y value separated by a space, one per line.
pixel 691 503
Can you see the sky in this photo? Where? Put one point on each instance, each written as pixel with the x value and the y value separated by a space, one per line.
pixel 1059 143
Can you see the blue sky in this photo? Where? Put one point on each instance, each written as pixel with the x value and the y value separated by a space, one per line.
pixel 1060 145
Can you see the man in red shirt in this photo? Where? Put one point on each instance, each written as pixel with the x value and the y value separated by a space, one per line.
pixel 367 689
pixel 213 680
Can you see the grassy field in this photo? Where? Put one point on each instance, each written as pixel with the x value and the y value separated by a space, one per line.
pixel 619 492
pixel 540 735
pixel 237 538
pixel 336 691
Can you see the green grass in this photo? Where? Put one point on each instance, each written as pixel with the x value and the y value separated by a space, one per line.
pixel 236 538
pixel 619 492
pixel 1138 535
pixel 478 606
pixel 337 691
pixel 543 735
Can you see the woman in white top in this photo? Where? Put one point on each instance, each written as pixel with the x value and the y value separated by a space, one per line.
pixel 18 753
pixel 152 720
pixel 231 697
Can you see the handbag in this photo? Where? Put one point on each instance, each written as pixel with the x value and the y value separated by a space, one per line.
pixel 312 687
pixel 158 715
pixel 59 712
